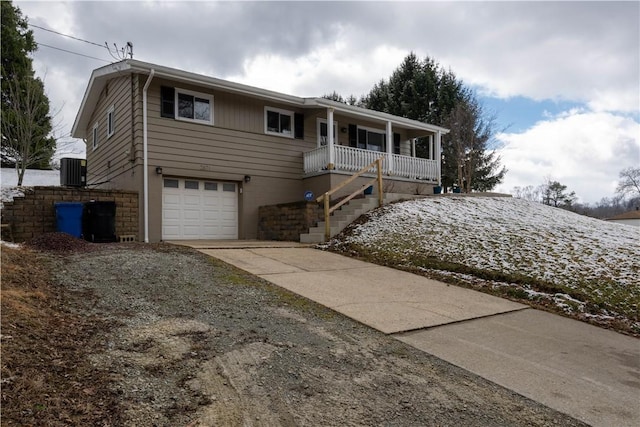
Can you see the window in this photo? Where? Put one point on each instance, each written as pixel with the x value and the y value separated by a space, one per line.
pixel 110 121
pixel 183 104
pixel 192 185
pixel 371 139
pixel 170 183
pixel 95 136
pixel 228 187
pixel 194 106
pixel 323 136
pixel 211 186
pixel 278 122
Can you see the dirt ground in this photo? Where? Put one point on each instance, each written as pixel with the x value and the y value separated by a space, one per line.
pixel 158 335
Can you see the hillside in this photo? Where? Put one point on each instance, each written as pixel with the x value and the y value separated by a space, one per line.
pixel 554 259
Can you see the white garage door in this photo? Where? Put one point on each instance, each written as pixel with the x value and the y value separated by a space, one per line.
pixel 199 209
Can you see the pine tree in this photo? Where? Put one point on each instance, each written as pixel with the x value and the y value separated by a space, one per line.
pixel 26 123
pixel 424 91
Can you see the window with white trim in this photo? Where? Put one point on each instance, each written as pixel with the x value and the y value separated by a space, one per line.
pixel 111 121
pixel 278 122
pixel 94 136
pixel 323 136
pixel 182 104
pixel 372 139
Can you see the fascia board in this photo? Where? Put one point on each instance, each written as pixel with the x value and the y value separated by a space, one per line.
pixel 377 115
pixel 212 82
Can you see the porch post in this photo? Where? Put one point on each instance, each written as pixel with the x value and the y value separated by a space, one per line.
pixel 431 147
pixel 413 147
pixel 438 149
pixel 389 148
pixel 332 154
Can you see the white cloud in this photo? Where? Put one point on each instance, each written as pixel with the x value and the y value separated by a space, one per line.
pixel 583 150
pixel 322 71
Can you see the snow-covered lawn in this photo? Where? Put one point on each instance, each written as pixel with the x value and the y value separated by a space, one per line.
pixel 32 177
pixel 518 241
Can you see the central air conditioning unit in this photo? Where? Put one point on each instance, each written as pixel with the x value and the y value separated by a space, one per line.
pixel 73 172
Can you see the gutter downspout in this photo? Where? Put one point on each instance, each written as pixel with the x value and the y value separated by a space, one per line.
pixel 145 160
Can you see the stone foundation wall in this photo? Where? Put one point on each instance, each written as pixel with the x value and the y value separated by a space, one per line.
pixel 288 220
pixel 34 213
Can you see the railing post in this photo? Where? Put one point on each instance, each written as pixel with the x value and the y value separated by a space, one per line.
pixel 330 140
pixel 327 226
pixel 380 195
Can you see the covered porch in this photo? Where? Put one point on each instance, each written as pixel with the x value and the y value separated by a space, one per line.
pixel 348 159
pixel 371 135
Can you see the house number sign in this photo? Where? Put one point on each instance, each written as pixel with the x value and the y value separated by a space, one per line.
pixel 308 196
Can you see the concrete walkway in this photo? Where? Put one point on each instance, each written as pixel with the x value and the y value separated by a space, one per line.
pixel 587 372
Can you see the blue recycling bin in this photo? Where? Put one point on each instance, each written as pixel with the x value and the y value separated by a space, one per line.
pixel 69 218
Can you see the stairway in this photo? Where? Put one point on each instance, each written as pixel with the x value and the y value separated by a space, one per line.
pixel 347 214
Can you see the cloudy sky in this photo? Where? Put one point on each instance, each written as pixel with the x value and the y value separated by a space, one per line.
pixel 563 78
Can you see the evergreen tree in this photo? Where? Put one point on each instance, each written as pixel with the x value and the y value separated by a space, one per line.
pixel 26 123
pixel 554 194
pixel 423 91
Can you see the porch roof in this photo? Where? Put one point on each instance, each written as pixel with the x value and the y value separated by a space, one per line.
pixel 101 76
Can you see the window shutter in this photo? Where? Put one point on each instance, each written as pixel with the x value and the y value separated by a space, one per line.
pixel 167 102
pixel 353 136
pixel 396 143
pixel 298 123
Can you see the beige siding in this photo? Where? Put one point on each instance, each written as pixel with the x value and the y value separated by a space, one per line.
pixel 234 146
pixel 110 160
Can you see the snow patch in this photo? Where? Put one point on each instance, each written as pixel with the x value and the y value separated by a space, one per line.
pixel 32 177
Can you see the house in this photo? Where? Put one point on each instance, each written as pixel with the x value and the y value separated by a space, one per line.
pixel 204 153
pixel 628 218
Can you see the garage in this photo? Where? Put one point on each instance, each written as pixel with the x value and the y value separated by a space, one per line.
pixel 199 209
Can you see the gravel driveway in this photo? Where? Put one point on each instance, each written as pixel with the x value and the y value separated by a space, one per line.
pixel 194 341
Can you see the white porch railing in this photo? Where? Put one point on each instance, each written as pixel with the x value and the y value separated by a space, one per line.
pixel 351 159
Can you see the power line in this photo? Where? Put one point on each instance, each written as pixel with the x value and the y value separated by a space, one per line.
pixel 74 53
pixel 66 35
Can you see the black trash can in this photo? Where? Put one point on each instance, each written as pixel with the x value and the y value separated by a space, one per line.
pixel 99 222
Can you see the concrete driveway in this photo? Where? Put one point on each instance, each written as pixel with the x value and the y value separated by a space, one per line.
pixel 587 372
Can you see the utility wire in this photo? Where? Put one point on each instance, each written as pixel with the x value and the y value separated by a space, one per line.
pixel 66 35
pixel 74 53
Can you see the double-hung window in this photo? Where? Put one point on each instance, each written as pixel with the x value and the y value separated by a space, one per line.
pixel 278 122
pixel 323 135
pixel 182 104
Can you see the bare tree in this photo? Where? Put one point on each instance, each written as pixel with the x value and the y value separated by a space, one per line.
pixel 629 184
pixel 26 125
pixel 530 193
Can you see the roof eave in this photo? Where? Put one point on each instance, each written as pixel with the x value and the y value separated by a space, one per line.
pixel 378 115
pixel 101 75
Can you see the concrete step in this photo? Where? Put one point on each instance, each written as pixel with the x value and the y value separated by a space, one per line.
pixel 348 213
pixel 312 238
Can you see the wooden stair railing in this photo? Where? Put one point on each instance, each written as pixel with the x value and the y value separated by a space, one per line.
pixel 326 197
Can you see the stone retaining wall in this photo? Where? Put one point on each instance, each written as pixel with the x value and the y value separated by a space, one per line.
pixel 288 220
pixel 35 214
